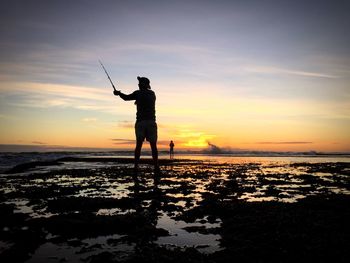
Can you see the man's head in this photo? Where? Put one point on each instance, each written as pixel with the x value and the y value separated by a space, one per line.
pixel 144 83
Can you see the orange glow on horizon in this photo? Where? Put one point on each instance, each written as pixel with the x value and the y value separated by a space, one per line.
pixel 82 117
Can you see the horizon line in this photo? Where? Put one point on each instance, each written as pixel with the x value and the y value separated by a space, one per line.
pixel 17 148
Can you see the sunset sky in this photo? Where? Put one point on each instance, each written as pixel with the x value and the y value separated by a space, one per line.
pixel 251 75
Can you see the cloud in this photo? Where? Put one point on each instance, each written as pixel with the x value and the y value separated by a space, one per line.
pixel 58 90
pixel 119 141
pixel 275 70
pixel 3 116
pixel 46 95
pixel 163 143
pixel 130 142
pixel 126 124
pixel 37 142
pixel 278 143
pixel 89 119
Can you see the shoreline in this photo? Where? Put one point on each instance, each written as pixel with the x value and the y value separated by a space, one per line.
pixel 23 166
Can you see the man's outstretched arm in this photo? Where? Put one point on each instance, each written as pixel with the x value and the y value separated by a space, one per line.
pixel 131 96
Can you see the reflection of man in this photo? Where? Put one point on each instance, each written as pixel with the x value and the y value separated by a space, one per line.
pixel 171 149
pixel 145 126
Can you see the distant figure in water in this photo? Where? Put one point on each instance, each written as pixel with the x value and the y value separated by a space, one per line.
pixel 171 150
pixel 145 126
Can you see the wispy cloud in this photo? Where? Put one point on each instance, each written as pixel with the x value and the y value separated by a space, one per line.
pixel 279 143
pixel 89 120
pixel 167 48
pixel 67 91
pixel 119 141
pixel 3 116
pixel 126 124
pixel 45 95
pixel 128 142
pixel 276 70
pixel 37 142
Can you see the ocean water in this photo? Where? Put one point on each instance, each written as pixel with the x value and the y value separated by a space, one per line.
pixel 234 159
pixel 9 160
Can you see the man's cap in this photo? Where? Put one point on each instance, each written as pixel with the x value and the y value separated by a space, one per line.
pixel 143 80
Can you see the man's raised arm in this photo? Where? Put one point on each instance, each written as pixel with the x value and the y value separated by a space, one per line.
pixel 131 96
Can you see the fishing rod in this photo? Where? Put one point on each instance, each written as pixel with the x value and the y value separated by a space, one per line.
pixel 107 75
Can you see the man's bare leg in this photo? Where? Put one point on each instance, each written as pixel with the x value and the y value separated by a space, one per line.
pixel 155 155
pixel 137 154
pixel 155 162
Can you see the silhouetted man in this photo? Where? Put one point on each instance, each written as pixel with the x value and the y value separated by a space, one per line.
pixel 171 145
pixel 145 126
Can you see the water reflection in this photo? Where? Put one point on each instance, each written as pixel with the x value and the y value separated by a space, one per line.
pixel 184 191
pixel 206 243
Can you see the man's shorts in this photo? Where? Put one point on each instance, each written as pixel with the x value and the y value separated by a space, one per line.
pixel 146 129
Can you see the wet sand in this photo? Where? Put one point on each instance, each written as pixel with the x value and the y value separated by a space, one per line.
pixel 93 210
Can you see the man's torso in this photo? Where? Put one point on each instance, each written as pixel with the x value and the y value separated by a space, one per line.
pixel 145 101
